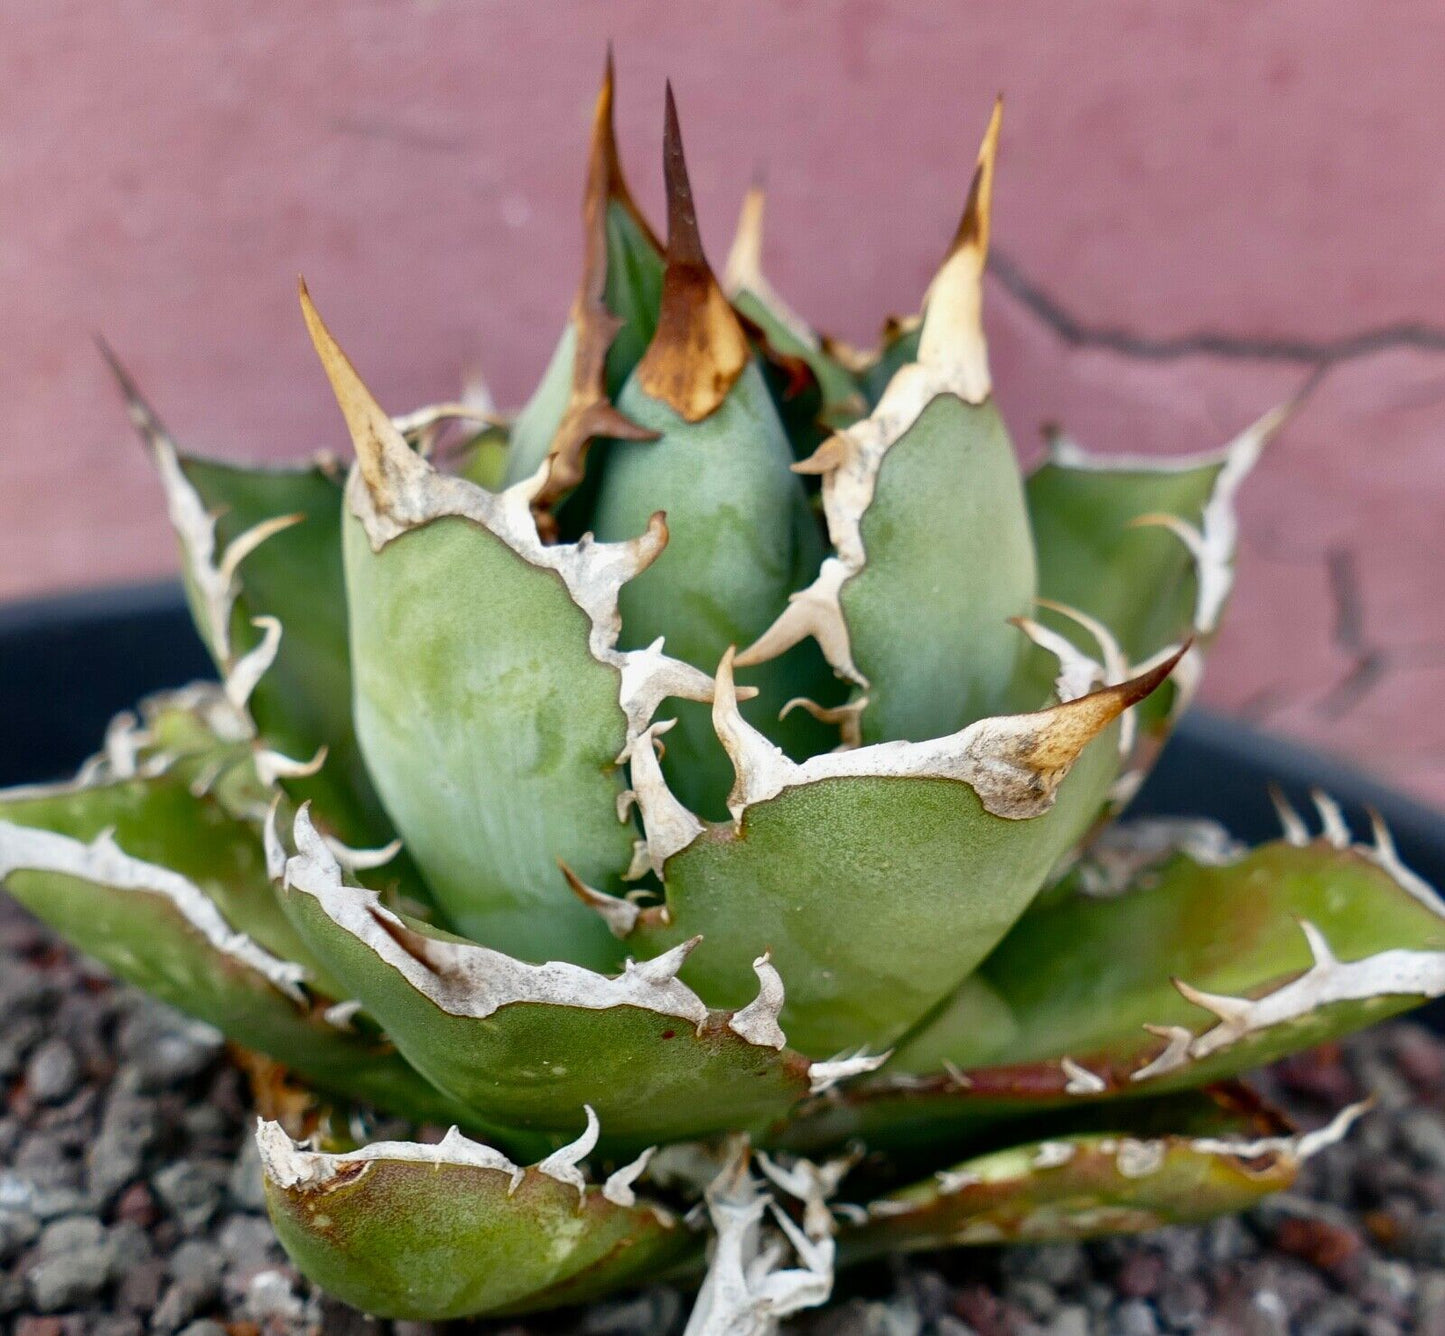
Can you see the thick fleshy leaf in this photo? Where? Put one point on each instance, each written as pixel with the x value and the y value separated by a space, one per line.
pixel 924 501
pixel 303 702
pixel 1076 1186
pixel 1088 1022
pixel 491 703
pixel 1144 546
pixel 431 1232
pixel 742 535
pixel 878 877
pixel 161 931
pixel 1375 945
pixel 949 562
pixel 524 1045
pixel 490 730
pixel 741 538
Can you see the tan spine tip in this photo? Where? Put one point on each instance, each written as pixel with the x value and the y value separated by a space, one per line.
pixel 382 453
pixel 973 227
pixel 700 348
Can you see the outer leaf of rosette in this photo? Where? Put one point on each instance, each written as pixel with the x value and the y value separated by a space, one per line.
pixel 1221 924
pixel 741 532
pixel 1093 1021
pixel 1104 548
pixel 173 896
pixel 437 1232
pixel 1137 581
pixel 303 702
pixel 880 877
pixel 1078 1185
pixel 525 1045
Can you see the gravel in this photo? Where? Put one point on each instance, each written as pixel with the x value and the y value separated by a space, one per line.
pixel 130 1204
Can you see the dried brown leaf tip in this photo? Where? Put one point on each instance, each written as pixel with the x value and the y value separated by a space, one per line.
pixel 1070 727
pixel 590 412
pixel 700 348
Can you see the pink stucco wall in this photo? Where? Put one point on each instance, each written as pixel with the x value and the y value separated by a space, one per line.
pixel 1198 202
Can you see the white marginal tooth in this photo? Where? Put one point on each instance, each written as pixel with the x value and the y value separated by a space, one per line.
pixel 846 718
pixel 249 669
pixel 1336 831
pixel 664 968
pixel 1234 1012
pixel 760 769
pixel 1387 858
pixel 758 1021
pixel 618 1187
pixel 1078 673
pixel 1295 830
pixel 271 843
pixel 668 825
pixel 1319 948
pixel 244 544
pixel 641 863
pixel 816 612
pixel 363 860
pixel 1080 1080
pixel 1177 1043
pixel 562 1164
pixel 618 914
pixel 271 765
pixel 823 1076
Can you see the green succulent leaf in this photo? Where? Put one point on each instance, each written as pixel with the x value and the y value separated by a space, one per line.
pixel 303 701
pixel 1081 1185
pixel 938 649
pixel 491 703
pixel 1088 1022
pixel 878 877
pixel 431 1232
pixel 85 860
pixel 520 1043
pixel 739 543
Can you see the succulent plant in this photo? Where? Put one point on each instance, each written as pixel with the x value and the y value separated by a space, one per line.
pixel 695 794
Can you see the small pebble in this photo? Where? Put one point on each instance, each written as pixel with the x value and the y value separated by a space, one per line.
pixel 53 1072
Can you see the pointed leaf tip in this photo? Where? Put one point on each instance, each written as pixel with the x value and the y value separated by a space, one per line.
pixel 382 453
pixel 973 227
pixel 700 347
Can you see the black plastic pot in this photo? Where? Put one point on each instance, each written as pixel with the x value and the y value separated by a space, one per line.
pixel 68 664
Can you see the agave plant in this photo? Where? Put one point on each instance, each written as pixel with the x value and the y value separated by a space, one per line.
pixel 693 793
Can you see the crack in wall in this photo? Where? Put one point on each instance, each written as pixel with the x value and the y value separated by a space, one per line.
pixel 1297 351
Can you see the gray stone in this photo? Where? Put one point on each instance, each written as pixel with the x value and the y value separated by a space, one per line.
pixel 1135 1317
pixel 204 1327
pixel 69 1279
pixel 70 1234
pixel 198 1260
pixel 53 1072
pixel 166 1048
pixel 1070 1320
pixel 192 1191
pixel 1422 1133
pixel 244 1184
pixel 248 1243
pixel 182 1301
pixel 18 1230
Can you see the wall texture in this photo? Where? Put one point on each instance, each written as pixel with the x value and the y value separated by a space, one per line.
pixel 1199 204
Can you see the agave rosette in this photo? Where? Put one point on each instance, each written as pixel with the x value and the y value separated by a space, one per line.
pixel 695 797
